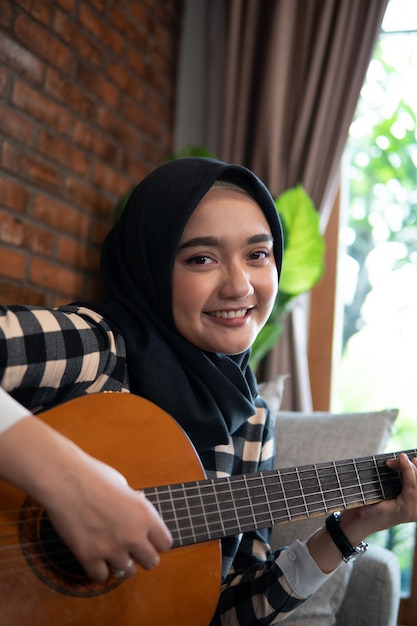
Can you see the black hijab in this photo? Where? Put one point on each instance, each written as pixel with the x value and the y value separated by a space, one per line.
pixel 209 394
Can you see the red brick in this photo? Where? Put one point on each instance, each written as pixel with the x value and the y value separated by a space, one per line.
pixel 12 264
pixel 137 62
pixel 71 33
pixel 11 230
pixel 86 197
pixel 3 82
pixel 123 25
pixel 38 240
pixel 66 5
pixel 115 125
pixel 14 125
pixel 13 195
pixel 100 29
pixel 59 279
pixel 118 74
pixel 108 178
pixel 77 254
pixel 42 43
pixel 102 88
pixel 30 167
pixel 5 13
pixel 91 90
pixel 62 152
pixel 72 96
pixel 59 216
pixel 100 229
pixel 133 167
pixel 19 233
pixel 16 294
pixel 41 10
pixel 140 15
pixel 141 118
pixel 94 142
pixel 38 106
pixel 99 5
pixel 18 58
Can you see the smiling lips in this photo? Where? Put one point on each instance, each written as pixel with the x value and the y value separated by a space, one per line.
pixel 230 315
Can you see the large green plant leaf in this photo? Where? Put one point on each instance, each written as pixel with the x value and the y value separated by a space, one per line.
pixel 303 262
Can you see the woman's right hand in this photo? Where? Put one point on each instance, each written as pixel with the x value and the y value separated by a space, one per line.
pixel 106 524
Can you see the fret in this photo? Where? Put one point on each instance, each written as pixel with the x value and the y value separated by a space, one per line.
pixel 359 481
pixel 369 476
pixel 229 512
pixel 312 491
pixel 330 486
pixel 276 495
pixel 284 496
pixel 211 509
pixel 323 498
pixel 232 499
pixel 340 485
pixel 251 500
pixel 380 483
pixel 175 528
pixel 302 490
pixel 264 487
pixel 218 509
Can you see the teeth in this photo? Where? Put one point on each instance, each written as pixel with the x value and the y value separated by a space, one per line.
pixel 230 315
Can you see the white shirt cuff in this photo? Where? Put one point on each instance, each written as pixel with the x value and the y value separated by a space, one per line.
pixel 300 569
pixel 10 411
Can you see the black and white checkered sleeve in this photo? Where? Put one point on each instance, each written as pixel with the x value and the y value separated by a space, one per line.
pixel 48 356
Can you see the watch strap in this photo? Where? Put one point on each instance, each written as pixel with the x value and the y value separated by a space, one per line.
pixel 348 552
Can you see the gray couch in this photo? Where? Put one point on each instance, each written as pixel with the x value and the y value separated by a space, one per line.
pixel 363 593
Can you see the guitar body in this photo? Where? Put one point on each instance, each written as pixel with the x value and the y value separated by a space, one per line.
pixel 149 449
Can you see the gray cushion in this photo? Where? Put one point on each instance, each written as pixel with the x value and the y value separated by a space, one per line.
pixel 303 438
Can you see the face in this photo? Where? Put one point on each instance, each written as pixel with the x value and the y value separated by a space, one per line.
pixel 225 278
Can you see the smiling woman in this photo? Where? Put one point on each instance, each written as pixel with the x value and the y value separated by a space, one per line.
pixel 191 274
pixel 225 277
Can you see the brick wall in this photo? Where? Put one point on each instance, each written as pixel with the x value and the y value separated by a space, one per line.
pixel 87 97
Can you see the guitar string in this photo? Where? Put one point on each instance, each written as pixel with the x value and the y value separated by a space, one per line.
pixel 269 476
pixel 236 506
pixel 370 462
pixel 215 485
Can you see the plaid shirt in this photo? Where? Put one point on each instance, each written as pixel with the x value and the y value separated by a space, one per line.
pixel 50 356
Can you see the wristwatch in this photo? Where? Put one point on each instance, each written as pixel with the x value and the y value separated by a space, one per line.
pixel 348 552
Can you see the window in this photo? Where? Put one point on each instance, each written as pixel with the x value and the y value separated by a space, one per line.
pixel 377 276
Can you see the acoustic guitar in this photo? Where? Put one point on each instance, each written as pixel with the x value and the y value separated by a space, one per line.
pixel 41 584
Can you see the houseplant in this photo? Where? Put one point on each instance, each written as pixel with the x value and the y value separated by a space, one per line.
pixel 302 267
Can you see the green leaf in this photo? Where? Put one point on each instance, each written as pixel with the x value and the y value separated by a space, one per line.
pixel 303 263
pixel 266 338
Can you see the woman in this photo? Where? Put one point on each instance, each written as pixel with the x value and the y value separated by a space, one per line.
pixel 191 270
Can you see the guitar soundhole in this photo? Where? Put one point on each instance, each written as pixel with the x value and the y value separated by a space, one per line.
pixel 51 560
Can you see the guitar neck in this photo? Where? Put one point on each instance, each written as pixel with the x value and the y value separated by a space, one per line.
pixel 211 509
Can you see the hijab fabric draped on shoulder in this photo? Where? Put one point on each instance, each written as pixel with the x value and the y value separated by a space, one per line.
pixel 209 394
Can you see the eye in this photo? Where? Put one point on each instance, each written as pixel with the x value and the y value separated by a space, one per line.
pixel 200 259
pixel 259 255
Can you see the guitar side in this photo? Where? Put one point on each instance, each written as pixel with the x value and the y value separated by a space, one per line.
pixel 146 445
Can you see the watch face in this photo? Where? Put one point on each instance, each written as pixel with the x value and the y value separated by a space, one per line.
pixel 360 549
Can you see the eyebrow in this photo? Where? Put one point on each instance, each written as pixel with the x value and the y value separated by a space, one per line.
pixel 218 241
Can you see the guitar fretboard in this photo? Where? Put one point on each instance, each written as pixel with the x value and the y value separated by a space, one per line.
pixel 211 509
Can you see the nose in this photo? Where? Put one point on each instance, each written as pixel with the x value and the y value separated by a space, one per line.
pixel 237 283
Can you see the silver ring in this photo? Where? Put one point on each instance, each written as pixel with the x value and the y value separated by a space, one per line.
pixel 121 573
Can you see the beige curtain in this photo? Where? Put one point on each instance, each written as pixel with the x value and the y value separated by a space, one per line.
pixel 283 79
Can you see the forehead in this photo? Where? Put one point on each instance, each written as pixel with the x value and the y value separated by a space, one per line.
pixel 225 209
